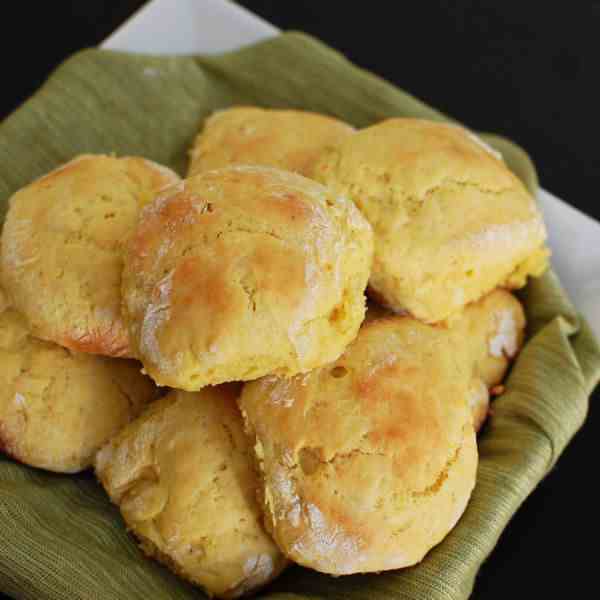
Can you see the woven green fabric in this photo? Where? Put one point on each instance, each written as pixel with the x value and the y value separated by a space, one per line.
pixel 59 536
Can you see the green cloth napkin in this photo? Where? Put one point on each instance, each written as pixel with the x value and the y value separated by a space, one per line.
pixel 60 537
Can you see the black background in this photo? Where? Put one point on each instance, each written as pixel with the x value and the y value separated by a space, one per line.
pixel 527 70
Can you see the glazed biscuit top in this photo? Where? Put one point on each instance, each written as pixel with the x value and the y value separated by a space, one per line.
pixel 61 248
pixel 244 271
pixel 451 222
pixel 287 139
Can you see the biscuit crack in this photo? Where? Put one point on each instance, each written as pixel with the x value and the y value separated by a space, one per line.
pixel 249 288
pixel 248 231
pixel 356 452
pixel 310 459
pixel 465 183
pixel 441 478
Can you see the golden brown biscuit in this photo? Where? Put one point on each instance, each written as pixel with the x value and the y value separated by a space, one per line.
pixel 369 462
pixel 487 335
pixel 182 475
pixel 62 243
pixel 451 222
pixel 57 406
pixel 491 331
pixel 287 139
pixel 241 272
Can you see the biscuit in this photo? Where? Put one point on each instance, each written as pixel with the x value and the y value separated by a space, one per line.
pixel 369 462
pixel 488 334
pixel 287 139
pixel 58 406
pixel 241 272
pixel 62 243
pixel 451 222
pixel 182 475
pixel 491 331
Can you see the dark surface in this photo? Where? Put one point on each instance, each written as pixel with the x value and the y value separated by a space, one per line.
pixel 527 70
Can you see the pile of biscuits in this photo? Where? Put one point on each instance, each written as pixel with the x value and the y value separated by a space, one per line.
pixel 276 415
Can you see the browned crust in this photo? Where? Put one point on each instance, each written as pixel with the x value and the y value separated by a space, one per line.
pixel 109 342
